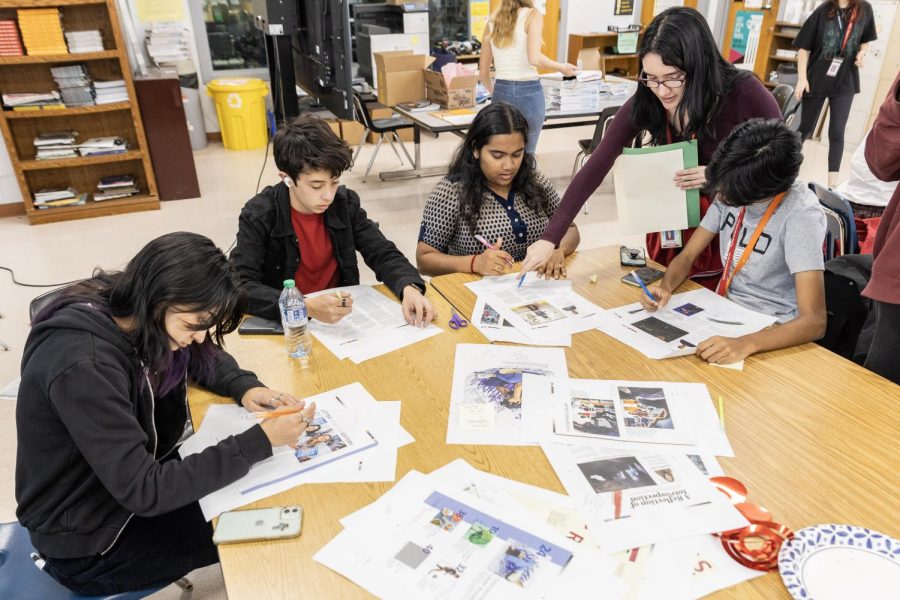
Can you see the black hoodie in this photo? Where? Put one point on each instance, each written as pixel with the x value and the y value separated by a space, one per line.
pixel 91 436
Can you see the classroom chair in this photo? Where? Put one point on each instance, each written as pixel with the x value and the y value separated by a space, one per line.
pixel 787 103
pixel 39 302
pixel 588 146
pixel 22 577
pixel 841 207
pixel 384 127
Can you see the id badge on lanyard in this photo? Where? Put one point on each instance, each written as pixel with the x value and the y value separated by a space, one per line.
pixel 834 67
pixel 837 61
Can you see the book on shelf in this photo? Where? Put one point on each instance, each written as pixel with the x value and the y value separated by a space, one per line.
pixel 84 41
pixel 50 138
pixel 99 146
pixel 31 99
pixel 115 193
pixel 51 194
pixel 77 200
pixel 10 43
pixel 116 181
pixel 42 31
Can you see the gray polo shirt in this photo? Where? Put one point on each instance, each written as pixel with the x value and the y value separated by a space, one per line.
pixel 790 243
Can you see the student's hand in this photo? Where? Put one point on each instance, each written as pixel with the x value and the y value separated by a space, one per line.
pixel 859 59
pixel 493 261
pixel 286 430
pixel 555 267
pixel 328 309
pixel 417 309
pixel 691 179
pixel 802 86
pixel 568 70
pixel 538 253
pixel 724 350
pixel 261 399
pixel 661 294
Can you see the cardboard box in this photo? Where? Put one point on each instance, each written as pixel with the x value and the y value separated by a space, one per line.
pixel 351 131
pixel 459 94
pixel 406 135
pixel 335 126
pixel 401 76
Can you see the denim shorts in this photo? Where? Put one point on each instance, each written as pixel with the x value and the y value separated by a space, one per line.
pixel 528 97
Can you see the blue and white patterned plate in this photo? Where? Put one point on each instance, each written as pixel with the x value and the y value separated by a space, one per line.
pixel 825 562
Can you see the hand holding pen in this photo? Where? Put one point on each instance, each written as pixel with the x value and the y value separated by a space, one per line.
pixel 493 261
pixel 283 426
pixel 654 297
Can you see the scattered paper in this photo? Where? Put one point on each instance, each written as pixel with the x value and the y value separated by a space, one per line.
pixel 497 329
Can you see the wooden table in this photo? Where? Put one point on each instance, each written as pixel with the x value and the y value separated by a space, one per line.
pixel 814 435
pixel 810 443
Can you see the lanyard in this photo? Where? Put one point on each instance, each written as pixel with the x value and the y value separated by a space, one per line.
pixel 849 27
pixel 725 281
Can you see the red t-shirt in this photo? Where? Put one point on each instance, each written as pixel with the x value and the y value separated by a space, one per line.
pixel 318 270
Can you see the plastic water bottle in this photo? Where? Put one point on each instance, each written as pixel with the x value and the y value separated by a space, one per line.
pixel 294 321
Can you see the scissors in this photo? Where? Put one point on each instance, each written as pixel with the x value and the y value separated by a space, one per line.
pixel 457 322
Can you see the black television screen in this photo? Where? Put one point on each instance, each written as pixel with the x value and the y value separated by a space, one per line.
pixel 322 56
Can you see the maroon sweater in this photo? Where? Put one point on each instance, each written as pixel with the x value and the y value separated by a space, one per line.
pixel 883 156
pixel 747 99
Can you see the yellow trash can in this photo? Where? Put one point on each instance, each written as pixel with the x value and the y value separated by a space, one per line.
pixel 241 111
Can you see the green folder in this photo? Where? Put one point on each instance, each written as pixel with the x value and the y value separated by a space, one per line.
pixel 689 152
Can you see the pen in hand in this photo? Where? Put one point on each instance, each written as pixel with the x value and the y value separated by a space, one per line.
pixel 643 286
pixel 485 243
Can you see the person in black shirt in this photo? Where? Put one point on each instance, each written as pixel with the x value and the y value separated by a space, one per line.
pixel 831 46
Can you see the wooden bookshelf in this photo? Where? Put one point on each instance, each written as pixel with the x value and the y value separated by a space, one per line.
pixel 32 74
pixel 782 39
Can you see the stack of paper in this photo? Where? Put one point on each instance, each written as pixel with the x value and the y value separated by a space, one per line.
pixel 84 41
pixel 351 438
pixel 540 312
pixel 108 92
pixel 74 84
pixel 55 144
pixel 459 533
pixel 10 44
pixel 33 101
pixel 53 198
pixel 168 43
pixel 374 327
pixel 103 145
pixel 42 31
pixel 116 186
pixel 580 94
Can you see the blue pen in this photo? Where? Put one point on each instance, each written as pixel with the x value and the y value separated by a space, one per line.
pixel 643 287
pixel 522 279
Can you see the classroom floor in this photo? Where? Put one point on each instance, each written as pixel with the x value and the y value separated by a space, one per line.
pixel 61 252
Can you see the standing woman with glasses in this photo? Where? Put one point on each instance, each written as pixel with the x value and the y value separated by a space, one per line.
pixel 688 91
pixel 512 40
pixel 831 46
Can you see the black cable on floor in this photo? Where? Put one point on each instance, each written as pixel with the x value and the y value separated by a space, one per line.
pixel 37 285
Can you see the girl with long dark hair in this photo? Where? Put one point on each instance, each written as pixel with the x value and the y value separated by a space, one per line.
pixel 831 47
pixel 687 91
pixel 494 191
pixel 102 407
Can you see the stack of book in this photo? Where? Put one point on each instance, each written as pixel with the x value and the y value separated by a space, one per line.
pixel 10 44
pixel 84 41
pixel 52 145
pixel 42 31
pixel 74 85
pixel 167 43
pixel 100 146
pixel 116 186
pixel 108 92
pixel 54 198
pixel 33 101
pixel 572 96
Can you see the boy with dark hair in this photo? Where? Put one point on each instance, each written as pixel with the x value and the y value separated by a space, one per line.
pixel 309 228
pixel 759 205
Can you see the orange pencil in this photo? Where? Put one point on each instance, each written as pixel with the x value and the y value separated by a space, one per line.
pixel 278 412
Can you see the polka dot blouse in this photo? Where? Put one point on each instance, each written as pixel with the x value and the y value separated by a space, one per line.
pixel 444 229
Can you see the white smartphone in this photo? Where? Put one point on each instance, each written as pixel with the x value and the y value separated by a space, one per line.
pixel 258 524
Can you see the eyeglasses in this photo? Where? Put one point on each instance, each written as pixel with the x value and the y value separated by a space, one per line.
pixel 655 83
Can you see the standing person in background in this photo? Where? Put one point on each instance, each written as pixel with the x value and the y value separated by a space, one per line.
pixel 512 40
pixel 883 156
pixel 831 46
pixel 687 91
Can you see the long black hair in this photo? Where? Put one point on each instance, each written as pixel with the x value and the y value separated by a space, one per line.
pixel 682 38
pixel 177 271
pixel 500 118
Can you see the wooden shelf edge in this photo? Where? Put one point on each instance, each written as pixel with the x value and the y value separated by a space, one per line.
pixel 66 112
pixel 93 209
pixel 27 59
pixel 81 161
pixel 46 3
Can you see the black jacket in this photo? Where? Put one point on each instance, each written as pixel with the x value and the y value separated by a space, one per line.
pixel 267 250
pixel 92 436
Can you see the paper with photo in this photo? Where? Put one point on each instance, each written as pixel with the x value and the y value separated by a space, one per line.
pixel 633 499
pixel 487 395
pixel 497 329
pixel 641 416
pixel 442 543
pixel 374 327
pixel 541 308
pixel 333 435
pixel 689 319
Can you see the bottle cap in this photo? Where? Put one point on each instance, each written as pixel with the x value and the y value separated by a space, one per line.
pixel 289 283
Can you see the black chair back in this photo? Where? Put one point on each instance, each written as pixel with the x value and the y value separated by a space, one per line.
pixel 603 122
